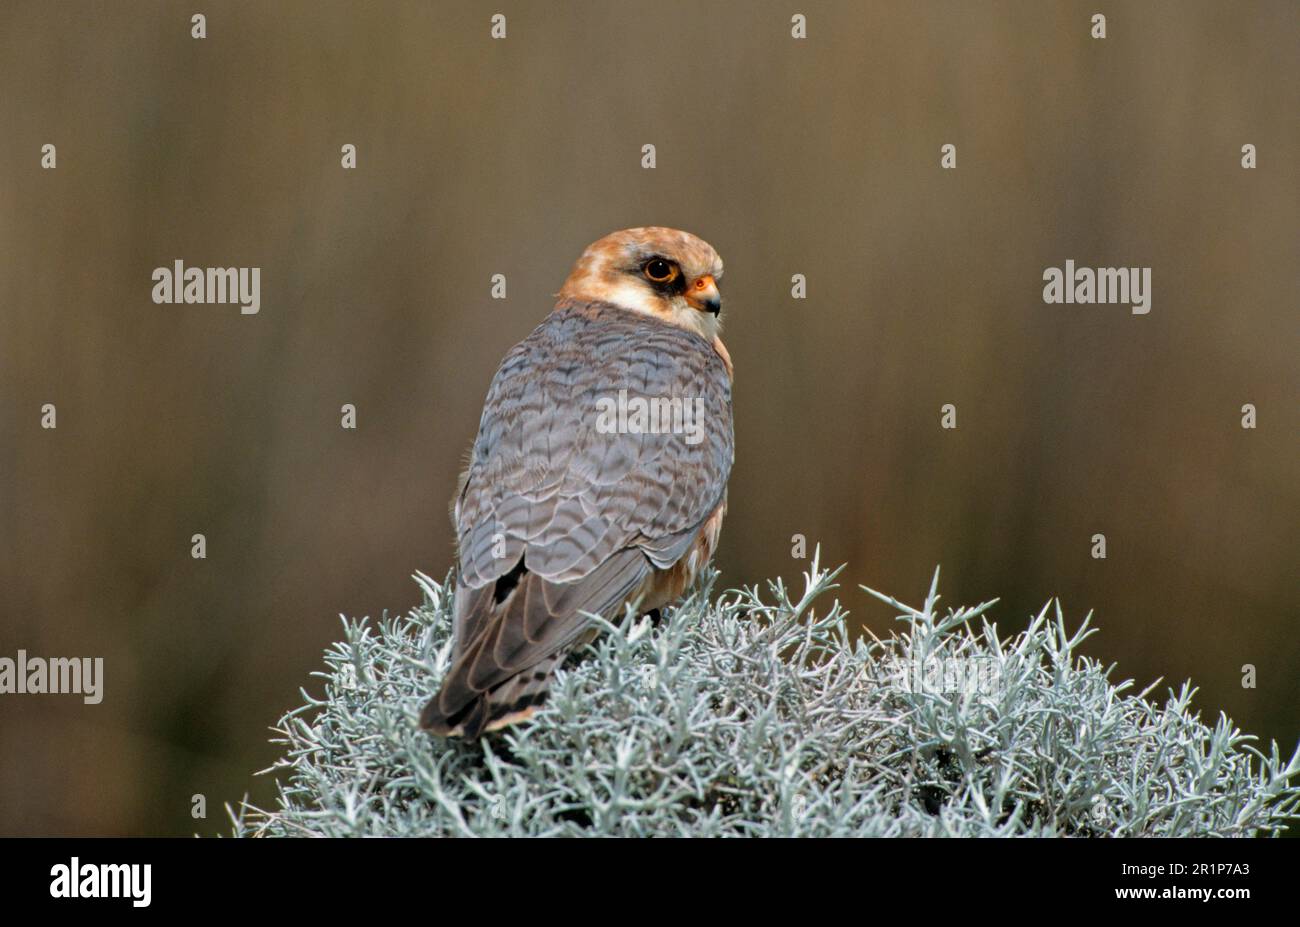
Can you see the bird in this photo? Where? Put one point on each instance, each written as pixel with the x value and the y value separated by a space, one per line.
pixel 560 515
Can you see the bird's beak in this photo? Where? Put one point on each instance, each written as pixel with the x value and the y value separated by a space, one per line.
pixel 703 294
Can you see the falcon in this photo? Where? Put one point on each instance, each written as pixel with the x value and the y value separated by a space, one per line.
pixel 560 516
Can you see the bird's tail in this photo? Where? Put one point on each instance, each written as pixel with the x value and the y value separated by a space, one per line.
pixel 459 711
pixel 517 631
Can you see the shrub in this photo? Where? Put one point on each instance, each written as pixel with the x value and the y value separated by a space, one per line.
pixel 753 716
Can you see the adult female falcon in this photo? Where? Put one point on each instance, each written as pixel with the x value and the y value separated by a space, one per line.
pixel 560 514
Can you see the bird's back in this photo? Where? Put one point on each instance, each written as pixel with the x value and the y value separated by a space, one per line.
pixel 570 503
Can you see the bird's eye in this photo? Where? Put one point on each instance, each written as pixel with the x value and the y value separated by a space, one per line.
pixel 657 270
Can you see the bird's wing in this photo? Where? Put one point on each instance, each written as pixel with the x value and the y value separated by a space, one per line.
pixel 556 516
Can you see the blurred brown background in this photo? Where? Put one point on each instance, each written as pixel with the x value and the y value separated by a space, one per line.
pixel 479 157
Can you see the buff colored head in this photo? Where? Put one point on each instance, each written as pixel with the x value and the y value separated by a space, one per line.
pixel 662 272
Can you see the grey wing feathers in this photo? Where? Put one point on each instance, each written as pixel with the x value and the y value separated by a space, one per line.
pixel 557 517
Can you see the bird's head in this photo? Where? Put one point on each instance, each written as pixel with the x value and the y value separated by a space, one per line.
pixel 661 272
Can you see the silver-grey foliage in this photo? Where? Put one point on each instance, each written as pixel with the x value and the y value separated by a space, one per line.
pixel 751 717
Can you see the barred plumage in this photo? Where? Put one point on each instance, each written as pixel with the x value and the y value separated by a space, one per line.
pixel 556 517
